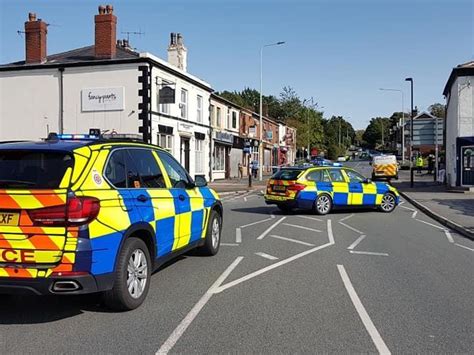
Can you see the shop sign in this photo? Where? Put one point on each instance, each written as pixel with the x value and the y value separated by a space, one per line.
pixel 103 99
pixel 224 137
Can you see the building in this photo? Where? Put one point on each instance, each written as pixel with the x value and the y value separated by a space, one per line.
pixel 250 133
pixel 270 144
pixel 108 86
pixel 459 124
pixel 427 131
pixel 287 144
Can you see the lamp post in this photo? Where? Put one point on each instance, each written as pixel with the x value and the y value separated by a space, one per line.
pixel 260 148
pixel 403 119
pixel 411 131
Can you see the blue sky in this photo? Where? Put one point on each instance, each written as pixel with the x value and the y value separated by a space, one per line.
pixel 338 52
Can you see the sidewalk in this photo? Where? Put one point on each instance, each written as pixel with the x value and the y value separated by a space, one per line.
pixel 452 208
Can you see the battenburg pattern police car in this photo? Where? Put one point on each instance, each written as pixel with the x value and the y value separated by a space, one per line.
pixel 80 214
pixel 322 188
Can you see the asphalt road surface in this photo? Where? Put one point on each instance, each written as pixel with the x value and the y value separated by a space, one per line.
pixel 352 281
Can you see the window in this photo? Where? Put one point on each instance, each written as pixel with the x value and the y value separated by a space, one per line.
pixel 287 174
pixel 218 117
pixel 162 108
pixel 184 103
pixel 165 141
pixel 354 176
pixel 115 170
pixel 228 119
pixel 336 175
pixel 199 156
pixel 199 109
pixel 212 113
pixel 178 176
pixel 320 175
pixel 234 119
pixel 219 157
pixel 147 168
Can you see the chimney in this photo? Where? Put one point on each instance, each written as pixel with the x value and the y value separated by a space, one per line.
pixel 177 52
pixel 35 43
pixel 105 33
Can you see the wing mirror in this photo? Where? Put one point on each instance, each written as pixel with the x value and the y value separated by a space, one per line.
pixel 367 181
pixel 200 181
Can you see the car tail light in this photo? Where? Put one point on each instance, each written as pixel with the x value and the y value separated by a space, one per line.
pixel 78 211
pixel 296 187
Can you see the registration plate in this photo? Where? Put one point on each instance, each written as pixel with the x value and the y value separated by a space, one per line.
pixel 9 218
pixel 279 188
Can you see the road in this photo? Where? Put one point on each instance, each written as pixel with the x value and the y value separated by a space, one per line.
pixel 352 281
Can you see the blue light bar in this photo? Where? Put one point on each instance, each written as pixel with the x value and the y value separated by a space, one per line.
pixel 77 137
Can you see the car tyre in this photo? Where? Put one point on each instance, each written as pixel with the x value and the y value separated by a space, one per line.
pixel 323 204
pixel 285 208
pixel 388 203
pixel 212 240
pixel 132 277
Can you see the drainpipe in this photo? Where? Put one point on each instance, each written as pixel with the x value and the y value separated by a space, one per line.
pixel 61 101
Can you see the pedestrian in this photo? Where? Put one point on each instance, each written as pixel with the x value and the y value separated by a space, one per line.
pixel 419 163
pixel 241 170
pixel 254 169
pixel 430 164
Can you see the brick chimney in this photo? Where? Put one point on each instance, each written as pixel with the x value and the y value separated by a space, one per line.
pixel 35 43
pixel 105 33
pixel 177 52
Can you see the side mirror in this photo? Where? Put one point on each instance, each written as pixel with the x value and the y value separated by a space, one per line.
pixel 200 181
pixel 367 181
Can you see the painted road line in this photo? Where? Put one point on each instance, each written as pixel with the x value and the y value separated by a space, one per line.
pixel 367 253
pixel 414 214
pixel 347 217
pixel 269 229
pixel 430 224
pixel 181 328
pixel 449 236
pixel 401 203
pixel 312 218
pixel 245 199
pixel 266 256
pixel 358 240
pixel 364 316
pixel 291 240
pixel 279 263
pixel 463 246
pixel 272 215
pixel 351 228
pixel 407 208
pixel 254 223
pixel 229 244
pixel 301 227
pixel 238 235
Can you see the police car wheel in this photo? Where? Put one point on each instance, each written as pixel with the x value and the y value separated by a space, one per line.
pixel 388 203
pixel 132 277
pixel 212 240
pixel 323 204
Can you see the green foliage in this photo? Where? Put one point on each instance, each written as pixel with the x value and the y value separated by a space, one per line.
pixel 377 128
pixel 335 151
pixel 338 131
pixel 438 110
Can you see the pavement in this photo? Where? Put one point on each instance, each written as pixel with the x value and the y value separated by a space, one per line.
pixel 354 281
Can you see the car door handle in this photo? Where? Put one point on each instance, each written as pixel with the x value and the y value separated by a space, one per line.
pixel 142 198
pixel 182 197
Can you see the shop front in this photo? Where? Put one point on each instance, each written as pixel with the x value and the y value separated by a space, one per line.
pixel 223 142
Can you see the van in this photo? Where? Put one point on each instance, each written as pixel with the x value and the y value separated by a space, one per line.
pixel 384 166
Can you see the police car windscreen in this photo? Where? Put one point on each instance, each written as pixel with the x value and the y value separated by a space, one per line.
pixel 33 169
pixel 287 174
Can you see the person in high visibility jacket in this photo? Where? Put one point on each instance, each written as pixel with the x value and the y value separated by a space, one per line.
pixel 419 163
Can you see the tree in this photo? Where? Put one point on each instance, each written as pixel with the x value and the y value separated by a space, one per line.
pixel 438 110
pixel 377 131
pixel 339 132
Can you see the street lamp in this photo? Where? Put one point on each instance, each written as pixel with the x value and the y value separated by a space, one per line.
pixel 260 149
pixel 411 130
pixel 403 119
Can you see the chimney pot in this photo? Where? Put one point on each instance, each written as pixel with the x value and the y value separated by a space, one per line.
pixel 35 39
pixel 101 9
pixel 32 16
pixel 109 9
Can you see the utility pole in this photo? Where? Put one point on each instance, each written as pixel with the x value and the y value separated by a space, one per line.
pixel 411 131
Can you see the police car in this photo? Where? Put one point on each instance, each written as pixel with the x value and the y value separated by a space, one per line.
pixel 322 188
pixel 83 214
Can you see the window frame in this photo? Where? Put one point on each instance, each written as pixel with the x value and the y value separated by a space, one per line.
pixel 199 107
pixel 189 181
pixel 340 172
pixel 184 104
pixel 348 171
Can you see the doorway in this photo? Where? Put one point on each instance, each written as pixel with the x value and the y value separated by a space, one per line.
pixel 467 166
pixel 184 153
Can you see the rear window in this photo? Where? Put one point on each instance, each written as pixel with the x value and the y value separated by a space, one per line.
pixel 287 174
pixel 33 169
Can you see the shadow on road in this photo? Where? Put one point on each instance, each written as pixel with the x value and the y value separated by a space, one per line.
pixel 266 210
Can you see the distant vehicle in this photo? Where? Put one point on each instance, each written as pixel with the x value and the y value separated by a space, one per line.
pixel 342 158
pixel 384 166
pixel 322 188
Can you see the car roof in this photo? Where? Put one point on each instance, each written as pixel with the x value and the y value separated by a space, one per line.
pixel 67 145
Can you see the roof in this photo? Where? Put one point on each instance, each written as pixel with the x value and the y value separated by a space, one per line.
pixel 465 69
pixel 59 145
pixel 424 114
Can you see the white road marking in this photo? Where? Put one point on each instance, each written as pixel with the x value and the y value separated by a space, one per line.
pixel 449 236
pixel 238 235
pixel 230 244
pixel 407 208
pixel 401 203
pixel 351 228
pixel 181 328
pixel 414 214
pixel 430 224
pixel 272 215
pixel 268 230
pixel 364 316
pixel 463 246
pixel 266 256
pixel 347 217
pixel 301 227
pixel 358 240
pixel 312 218
pixel 279 263
pixel 291 240
pixel 367 253
pixel 245 199
pixel 254 223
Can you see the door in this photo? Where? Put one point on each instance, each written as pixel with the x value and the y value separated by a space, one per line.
pixel 184 153
pixel 467 166
pixel 227 162
pixel 360 192
pixel 189 203
pixel 340 187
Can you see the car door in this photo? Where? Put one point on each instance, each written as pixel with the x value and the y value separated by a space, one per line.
pixel 189 203
pixel 153 200
pixel 340 187
pixel 361 190
pixel 317 180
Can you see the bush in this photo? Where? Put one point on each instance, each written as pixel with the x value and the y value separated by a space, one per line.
pixel 335 151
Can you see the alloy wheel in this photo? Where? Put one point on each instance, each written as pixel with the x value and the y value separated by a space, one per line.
pixel 137 273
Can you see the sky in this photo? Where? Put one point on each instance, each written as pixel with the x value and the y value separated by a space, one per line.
pixel 337 52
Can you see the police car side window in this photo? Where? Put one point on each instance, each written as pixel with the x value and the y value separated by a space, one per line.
pixel 336 175
pixel 315 176
pixel 115 170
pixel 176 173
pixel 354 177
pixel 147 169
